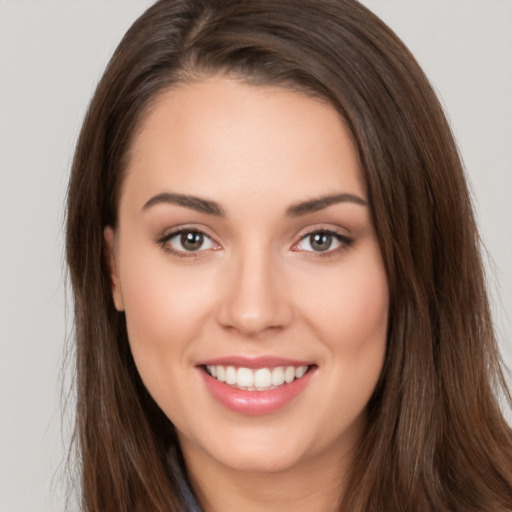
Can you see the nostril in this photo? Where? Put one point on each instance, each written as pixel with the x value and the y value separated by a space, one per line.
pixel 254 323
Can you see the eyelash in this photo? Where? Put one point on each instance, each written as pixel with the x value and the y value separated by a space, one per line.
pixel 344 243
pixel 182 254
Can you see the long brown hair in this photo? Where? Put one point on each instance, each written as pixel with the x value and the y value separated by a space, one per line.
pixel 436 439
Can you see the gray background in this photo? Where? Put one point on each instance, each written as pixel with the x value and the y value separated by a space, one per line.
pixel 51 56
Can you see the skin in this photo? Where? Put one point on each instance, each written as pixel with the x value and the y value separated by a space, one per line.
pixel 258 288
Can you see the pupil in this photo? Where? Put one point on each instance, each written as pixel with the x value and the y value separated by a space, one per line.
pixel 192 240
pixel 321 241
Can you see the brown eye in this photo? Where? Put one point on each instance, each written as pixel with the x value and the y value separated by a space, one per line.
pixel 188 241
pixel 320 241
pixel 191 240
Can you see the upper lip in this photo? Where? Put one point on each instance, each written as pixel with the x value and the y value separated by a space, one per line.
pixel 253 362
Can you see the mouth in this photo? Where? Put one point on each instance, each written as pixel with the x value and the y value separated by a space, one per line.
pixel 256 379
pixel 256 386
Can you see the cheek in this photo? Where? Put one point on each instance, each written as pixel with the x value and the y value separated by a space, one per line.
pixel 165 308
pixel 350 316
pixel 356 337
pixel 351 308
pixel 165 312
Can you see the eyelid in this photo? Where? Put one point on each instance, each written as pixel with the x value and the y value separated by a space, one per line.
pixel 163 241
pixel 344 240
pixel 335 231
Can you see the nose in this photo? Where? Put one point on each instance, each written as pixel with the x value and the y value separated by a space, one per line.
pixel 254 299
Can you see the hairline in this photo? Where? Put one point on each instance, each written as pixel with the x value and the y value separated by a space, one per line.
pixel 185 75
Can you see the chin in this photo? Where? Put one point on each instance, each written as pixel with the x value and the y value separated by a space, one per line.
pixel 260 460
pixel 248 449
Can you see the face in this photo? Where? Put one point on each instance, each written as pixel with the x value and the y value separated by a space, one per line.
pixel 247 265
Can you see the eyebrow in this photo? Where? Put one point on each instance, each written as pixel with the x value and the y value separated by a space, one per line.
pixel 192 202
pixel 315 205
pixel 212 208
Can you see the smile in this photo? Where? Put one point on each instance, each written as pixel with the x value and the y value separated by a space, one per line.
pixel 256 386
pixel 259 379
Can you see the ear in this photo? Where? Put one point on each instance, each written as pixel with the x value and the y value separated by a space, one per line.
pixel 110 243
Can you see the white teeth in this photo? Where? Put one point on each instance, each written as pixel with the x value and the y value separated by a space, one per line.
pixel 278 376
pixel 245 378
pixel 230 375
pixel 300 371
pixel 221 374
pixel 261 379
pixel 289 374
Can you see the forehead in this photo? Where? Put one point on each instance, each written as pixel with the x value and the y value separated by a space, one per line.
pixel 224 139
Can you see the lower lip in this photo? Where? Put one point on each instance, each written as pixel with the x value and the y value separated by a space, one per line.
pixel 255 402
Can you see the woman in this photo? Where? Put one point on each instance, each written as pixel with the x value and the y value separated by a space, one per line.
pixel 279 296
